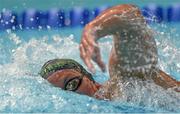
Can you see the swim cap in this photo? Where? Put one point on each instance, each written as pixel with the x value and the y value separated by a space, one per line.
pixel 54 65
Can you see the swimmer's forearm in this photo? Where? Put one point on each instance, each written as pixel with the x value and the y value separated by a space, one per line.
pixel 115 19
pixel 110 22
pixel 166 81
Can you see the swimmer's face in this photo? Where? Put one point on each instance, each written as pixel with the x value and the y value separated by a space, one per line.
pixel 72 80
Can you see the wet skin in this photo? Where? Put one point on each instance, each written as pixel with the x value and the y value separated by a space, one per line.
pixel 90 51
pixel 111 22
pixel 86 87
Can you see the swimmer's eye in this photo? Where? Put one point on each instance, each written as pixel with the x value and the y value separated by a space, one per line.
pixel 73 84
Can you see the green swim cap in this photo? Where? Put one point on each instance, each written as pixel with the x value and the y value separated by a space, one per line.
pixel 54 65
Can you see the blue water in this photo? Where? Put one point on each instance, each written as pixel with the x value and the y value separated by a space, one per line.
pixel 22 54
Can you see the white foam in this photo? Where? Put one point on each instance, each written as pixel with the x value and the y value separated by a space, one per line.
pixel 22 89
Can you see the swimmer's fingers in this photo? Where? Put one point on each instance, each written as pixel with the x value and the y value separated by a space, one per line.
pixel 86 58
pixel 97 58
pixel 101 65
pixel 92 41
pixel 88 48
pixel 92 51
pixel 89 65
pixel 89 43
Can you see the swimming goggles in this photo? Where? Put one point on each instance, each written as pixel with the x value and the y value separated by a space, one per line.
pixel 74 83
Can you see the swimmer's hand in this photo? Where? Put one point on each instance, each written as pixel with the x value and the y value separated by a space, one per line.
pixel 89 50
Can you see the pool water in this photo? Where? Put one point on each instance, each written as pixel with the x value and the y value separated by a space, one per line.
pixel 22 89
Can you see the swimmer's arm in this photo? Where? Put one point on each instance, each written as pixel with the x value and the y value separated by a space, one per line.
pixel 115 19
pixel 107 23
pixel 164 80
pixel 109 27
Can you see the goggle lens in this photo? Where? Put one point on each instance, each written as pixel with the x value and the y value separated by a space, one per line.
pixel 73 84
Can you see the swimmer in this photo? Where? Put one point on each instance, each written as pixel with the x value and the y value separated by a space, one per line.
pixel 133 55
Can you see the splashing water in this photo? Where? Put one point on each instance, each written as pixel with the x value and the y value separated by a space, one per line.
pixel 23 90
